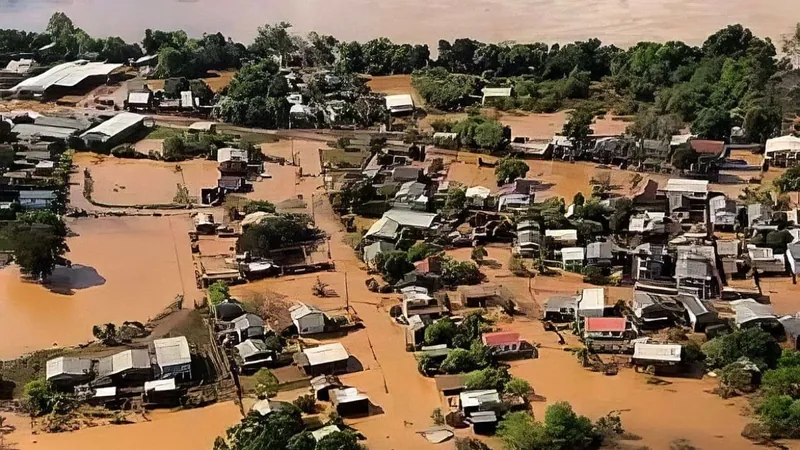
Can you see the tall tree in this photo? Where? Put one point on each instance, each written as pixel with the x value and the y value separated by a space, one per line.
pixel 275 41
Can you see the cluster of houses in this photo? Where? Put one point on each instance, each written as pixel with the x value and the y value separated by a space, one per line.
pixel 157 374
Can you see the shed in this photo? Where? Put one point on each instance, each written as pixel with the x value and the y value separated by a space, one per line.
pixel 473 401
pixel 254 353
pixel 323 384
pixel 749 311
pixel 173 357
pixel 572 257
pixel 114 130
pixel 450 384
pixel 599 252
pixel 485 295
pixel 400 104
pixel 68 371
pixel 37 199
pixel 592 302
pixel 325 359
pixel 784 145
pixel 655 353
pixel 231 154
pixel 128 365
pixel 266 407
pixel 140 99
pixel 248 326
pixel 707 147
pixel 483 422
pixel 695 188
pixel 412 219
pixel 349 402
pixel 307 318
pixel 496 92
pixel 227 310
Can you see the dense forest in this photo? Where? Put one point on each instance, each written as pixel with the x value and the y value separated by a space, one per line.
pixel 733 79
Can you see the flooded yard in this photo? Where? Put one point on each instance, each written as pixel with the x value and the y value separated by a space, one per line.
pixel 126 268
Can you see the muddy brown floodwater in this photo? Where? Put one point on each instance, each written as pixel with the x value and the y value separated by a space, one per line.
pixel 193 429
pixel 124 268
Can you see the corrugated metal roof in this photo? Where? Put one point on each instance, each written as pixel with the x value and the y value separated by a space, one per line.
pixel 325 354
pixel 246 321
pixel 383 228
pixel 347 395
pixel 593 298
pixel 324 431
pixel 65 365
pixel 124 361
pixel 172 351
pixel 27 131
pixel 116 125
pixel 301 310
pixel 399 101
pixel 412 219
pixel 37 195
pixel 572 254
pixel 684 185
pixel 657 352
pixel 252 347
pixel 470 399
pixel 782 144
pixel 562 235
pixel 67 75
pixel 601 324
pixel 748 310
pixel 139 98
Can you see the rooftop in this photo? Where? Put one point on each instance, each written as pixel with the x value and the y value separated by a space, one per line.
pixel 123 361
pixel 500 338
pixel 301 310
pixel 325 354
pixel 412 219
pixel 657 352
pixel 605 324
pixel 172 351
pixel 748 310
pixel 67 74
pixel 252 347
pixel 471 399
pixel 64 365
pixel 399 101
pixel 346 395
pixel 115 125
pixel 594 298
pixel 684 185
pixel 246 321
pixel 383 228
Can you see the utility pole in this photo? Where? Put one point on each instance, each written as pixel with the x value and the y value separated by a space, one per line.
pixel 346 293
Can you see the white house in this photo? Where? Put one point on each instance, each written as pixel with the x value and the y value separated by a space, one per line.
pixel 592 302
pixel 307 318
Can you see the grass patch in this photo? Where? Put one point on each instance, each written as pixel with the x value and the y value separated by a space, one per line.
pixel 163 133
pixel 193 327
pixel 342 159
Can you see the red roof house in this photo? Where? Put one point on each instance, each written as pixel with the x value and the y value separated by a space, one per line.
pixel 500 338
pixel 707 147
pixel 605 325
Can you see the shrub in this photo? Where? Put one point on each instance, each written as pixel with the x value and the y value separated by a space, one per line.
pixel 420 251
pixel 440 332
pixel 754 344
pixel 781 415
pixel 437 416
pixel 306 403
pixel 518 387
pixel 509 169
pixel 455 273
pixel 458 361
pixel 470 443
pixel 218 292
pixel 266 383
pixel 258 206
pixel 488 378
pixel 38 396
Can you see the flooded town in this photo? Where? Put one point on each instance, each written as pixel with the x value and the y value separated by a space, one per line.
pixel 297 241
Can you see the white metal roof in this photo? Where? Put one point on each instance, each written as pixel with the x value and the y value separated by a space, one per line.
pixel 748 310
pixel 139 98
pixel 497 92
pixel 684 185
pixel 384 227
pixel 478 191
pixel 325 354
pixel 324 431
pixel 160 385
pixel 301 310
pixel 572 254
pixel 411 218
pixel 476 398
pixel 562 235
pixel 657 352
pixel 146 58
pixel 251 347
pixel 594 298
pixel 399 101
pixel 782 144
pixel 122 361
pixel 67 75
pixel 65 365
pixel 186 99
pixel 347 395
pixel 116 125
pixel 231 154
pixel 105 392
pixel 172 351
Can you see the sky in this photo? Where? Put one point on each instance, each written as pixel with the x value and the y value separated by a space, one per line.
pixel 622 22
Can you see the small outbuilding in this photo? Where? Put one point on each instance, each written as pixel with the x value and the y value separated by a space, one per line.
pixel 400 104
pixel 323 384
pixel 127 365
pixel 325 359
pixel 248 326
pixel 650 354
pixel 349 402
pixel 173 358
pixel 66 371
pixel 307 318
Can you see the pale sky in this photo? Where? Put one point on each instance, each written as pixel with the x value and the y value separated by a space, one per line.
pixel 622 22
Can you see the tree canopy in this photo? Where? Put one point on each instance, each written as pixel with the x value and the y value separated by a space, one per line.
pixel 38 240
pixel 281 231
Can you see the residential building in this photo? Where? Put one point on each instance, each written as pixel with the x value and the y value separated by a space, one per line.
pixel 783 151
pixel 793 257
pixel 707 147
pixel 650 223
pixel 450 385
pixel 758 214
pixel 696 271
pixel 649 354
pixel 604 328
pixel 561 308
pixel 650 262
pixel 592 303
pixel 326 359
pixel 527 242
pixel 127 365
pixel 491 94
pixel 765 261
pixel 348 402
pixel 374 250
pixel 173 358
pixel 752 313
pixel 655 310
pixel 412 195
pixel 322 385
pixel 307 318
pixel 470 402
pixel 700 313
pixel 688 199
pixel 253 353
pixel 507 344
pixel 384 228
pixel 723 213
pixel 485 295
pixel 511 202
pixel 66 371
pixel 412 219
pixel 562 238
pixel 406 173
pixel 599 253
pixel 324 431
pixel 248 326
pixel 41 199
pixel 400 104
pixel 231 154
pixel 572 258
pixel 478 196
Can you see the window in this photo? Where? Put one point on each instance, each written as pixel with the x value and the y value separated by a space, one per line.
pixel 505 348
pixel 513 346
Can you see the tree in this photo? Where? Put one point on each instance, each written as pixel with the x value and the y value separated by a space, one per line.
pixel 440 332
pixel 266 383
pixel 281 231
pixel 258 206
pixel 302 441
pixel 470 443
pixel 274 41
pixel 489 135
pixel 712 123
pixel 478 253
pixel 648 124
pixel 394 265
pixel 38 396
pixel 455 272
pixel 789 181
pixel 579 126
pixel 754 344
pixel 456 199
pixel 781 415
pixel 458 361
pixel 420 250
pixel 519 430
pixel 340 440
pixel 509 169
pixel 38 240
pixel 518 387
pixel 562 429
pixel 218 292
pixel 271 432
pixel 623 209
pixel 306 403
pixel 684 157
pixel 443 90
pixel 790 45
pixel 488 378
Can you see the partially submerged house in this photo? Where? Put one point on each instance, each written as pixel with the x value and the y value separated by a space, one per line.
pixel 649 262
pixel 572 258
pixel 173 358
pixel 562 238
pixel 384 228
pixel 253 353
pixel 645 354
pixel 507 344
pixel 783 151
pixel 696 271
pixel 766 261
pixel 37 199
pixel 699 313
pixel 752 313
pixel 326 359
pixel 113 131
pixel 592 302
pixel 373 251
pixel 307 318
pixel 66 371
pixel 561 308
pixel 611 328
pixel 655 311
pixel 485 295
pixel 248 326
pixel 688 199
pixel 493 93
pixel 128 365
pixel 600 253
pixel 348 402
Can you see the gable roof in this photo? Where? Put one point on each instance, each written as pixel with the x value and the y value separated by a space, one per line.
pixel 123 361
pixel 252 347
pixel 657 352
pixel 605 324
pixel 707 147
pixel 301 310
pixel 399 101
pixel 66 365
pixel 172 351
pixel 500 338
pixel 325 354
pixel 685 185
pixel 383 228
pixel 412 219
pixel 115 125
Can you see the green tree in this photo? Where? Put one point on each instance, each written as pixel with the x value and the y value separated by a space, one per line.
pixel 712 123
pixel 258 206
pixel 789 181
pixel 488 378
pixel 455 272
pixel 648 124
pixel 302 441
pixel 440 332
pixel 470 443
pixel 275 41
pixel 271 432
pixel 684 157
pixel 281 231
pixel 421 250
pixel 306 403
pixel 579 126
pixel 518 387
pixel 38 240
pixel 509 169
pixel 478 253
pixel 340 440
pixel 754 344
pixel 394 265
pixel 458 361
pixel 39 396
pixel 562 429
pixel 266 383
pixel 781 415
pixel 218 292
pixel 456 199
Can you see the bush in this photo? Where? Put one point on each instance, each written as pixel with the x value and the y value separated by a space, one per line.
pixel 306 403
pixel 420 251
pixel 458 361
pixel 488 378
pixel 782 381
pixel 258 206
pixel 735 379
pixel 266 383
pixel 126 151
pixel 455 273
pixel 470 443
pixel 218 292
pixel 478 253
pixel 561 429
pixel 518 387
pixel 39 396
pixel 394 265
pixel 754 344
pixel 781 415
pixel 437 416
pixel 440 332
